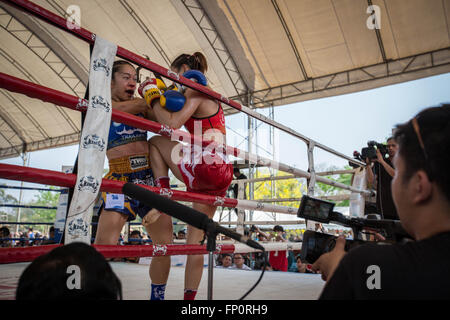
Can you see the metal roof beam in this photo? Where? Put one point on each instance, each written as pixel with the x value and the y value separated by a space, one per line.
pixel 378 33
pixel 12 124
pixel 66 140
pixel 291 40
pixel 400 70
pixel 68 54
pixel 206 25
pixel 146 30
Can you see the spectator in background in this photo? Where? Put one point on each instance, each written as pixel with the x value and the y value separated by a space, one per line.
pixel 48 277
pixel 5 233
pixel 239 176
pixel 235 187
pixel 239 262
pixel 381 177
pixel 37 239
pixel 278 259
pixel 51 237
pixel 291 260
pixel 258 257
pixel 30 234
pixel 257 234
pixel 181 234
pixel 301 267
pixel 146 238
pixel 23 242
pixel 135 237
pixel 226 261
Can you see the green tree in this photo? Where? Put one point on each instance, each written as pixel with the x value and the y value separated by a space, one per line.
pixel 43 198
pixel 289 188
pixel 9 214
pixel 327 190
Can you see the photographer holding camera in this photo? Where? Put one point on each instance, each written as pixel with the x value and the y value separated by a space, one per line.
pixel 384 172
pixel 421 191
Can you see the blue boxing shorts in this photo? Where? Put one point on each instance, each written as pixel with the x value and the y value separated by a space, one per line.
pixel 135 169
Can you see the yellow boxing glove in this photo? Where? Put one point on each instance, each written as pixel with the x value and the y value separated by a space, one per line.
pixel 151 89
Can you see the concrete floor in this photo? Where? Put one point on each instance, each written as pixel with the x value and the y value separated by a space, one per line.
pixel 228 284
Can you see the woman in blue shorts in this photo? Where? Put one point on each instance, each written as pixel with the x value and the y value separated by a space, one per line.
pixel 128 156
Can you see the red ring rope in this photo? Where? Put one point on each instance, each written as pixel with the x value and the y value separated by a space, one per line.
pixel 68 180
pixel 27 254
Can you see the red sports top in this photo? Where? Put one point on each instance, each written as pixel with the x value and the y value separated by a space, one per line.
pixel 216 121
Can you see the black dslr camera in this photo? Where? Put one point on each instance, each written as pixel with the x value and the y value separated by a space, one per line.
pixel 315 243
pixel 370 151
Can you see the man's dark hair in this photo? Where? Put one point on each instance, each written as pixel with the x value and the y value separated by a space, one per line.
pixel 434 128
pixel 4 232
pixel 236 170
pixel 182 231
pixel 278 228
pixel 47 276
pixel 136 232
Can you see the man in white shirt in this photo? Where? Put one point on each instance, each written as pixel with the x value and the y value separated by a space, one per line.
pixel 238 260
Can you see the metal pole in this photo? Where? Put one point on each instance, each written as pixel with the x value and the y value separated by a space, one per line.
pixel 273 171
pixel 211 247
pixel 251 185
pixel 210 274
pixel 24 158
pixel 240 212
pixel 310 225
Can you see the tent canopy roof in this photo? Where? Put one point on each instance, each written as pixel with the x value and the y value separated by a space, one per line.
pixel 260 52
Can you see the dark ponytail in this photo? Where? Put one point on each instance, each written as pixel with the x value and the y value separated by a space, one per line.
pixel 196 61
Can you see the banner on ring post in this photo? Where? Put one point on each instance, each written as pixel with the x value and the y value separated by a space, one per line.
pixel 93 142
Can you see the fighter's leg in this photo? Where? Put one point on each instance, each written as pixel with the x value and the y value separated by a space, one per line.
pixel 161 233
pixel 164 155
pixel 110 225
pixel 194 264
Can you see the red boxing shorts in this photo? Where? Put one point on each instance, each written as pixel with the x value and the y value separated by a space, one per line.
pixel 205 172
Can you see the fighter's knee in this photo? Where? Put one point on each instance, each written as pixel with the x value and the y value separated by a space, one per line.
pixel 153 141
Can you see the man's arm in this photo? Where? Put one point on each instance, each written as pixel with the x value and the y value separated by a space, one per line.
pixel 370 176
pixel 265 235
pixel 385 165
pixel 339 287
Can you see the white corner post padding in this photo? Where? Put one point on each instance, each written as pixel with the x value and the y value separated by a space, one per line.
pixel 93 142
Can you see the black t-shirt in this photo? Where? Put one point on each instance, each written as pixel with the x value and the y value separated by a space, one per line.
pixel 236 186
pixel 385 203
pixel 415 270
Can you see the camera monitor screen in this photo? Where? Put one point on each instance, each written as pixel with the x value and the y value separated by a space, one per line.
pixel 315 209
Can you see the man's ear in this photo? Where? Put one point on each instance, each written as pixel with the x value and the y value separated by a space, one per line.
pixel 421 187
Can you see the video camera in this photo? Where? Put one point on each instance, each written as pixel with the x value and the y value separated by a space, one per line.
pixel 315 243
pixel 370 151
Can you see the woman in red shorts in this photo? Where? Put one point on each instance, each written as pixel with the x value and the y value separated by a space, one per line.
pixel 204 170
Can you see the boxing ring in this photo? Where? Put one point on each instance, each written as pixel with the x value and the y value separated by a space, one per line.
pixel 19 257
